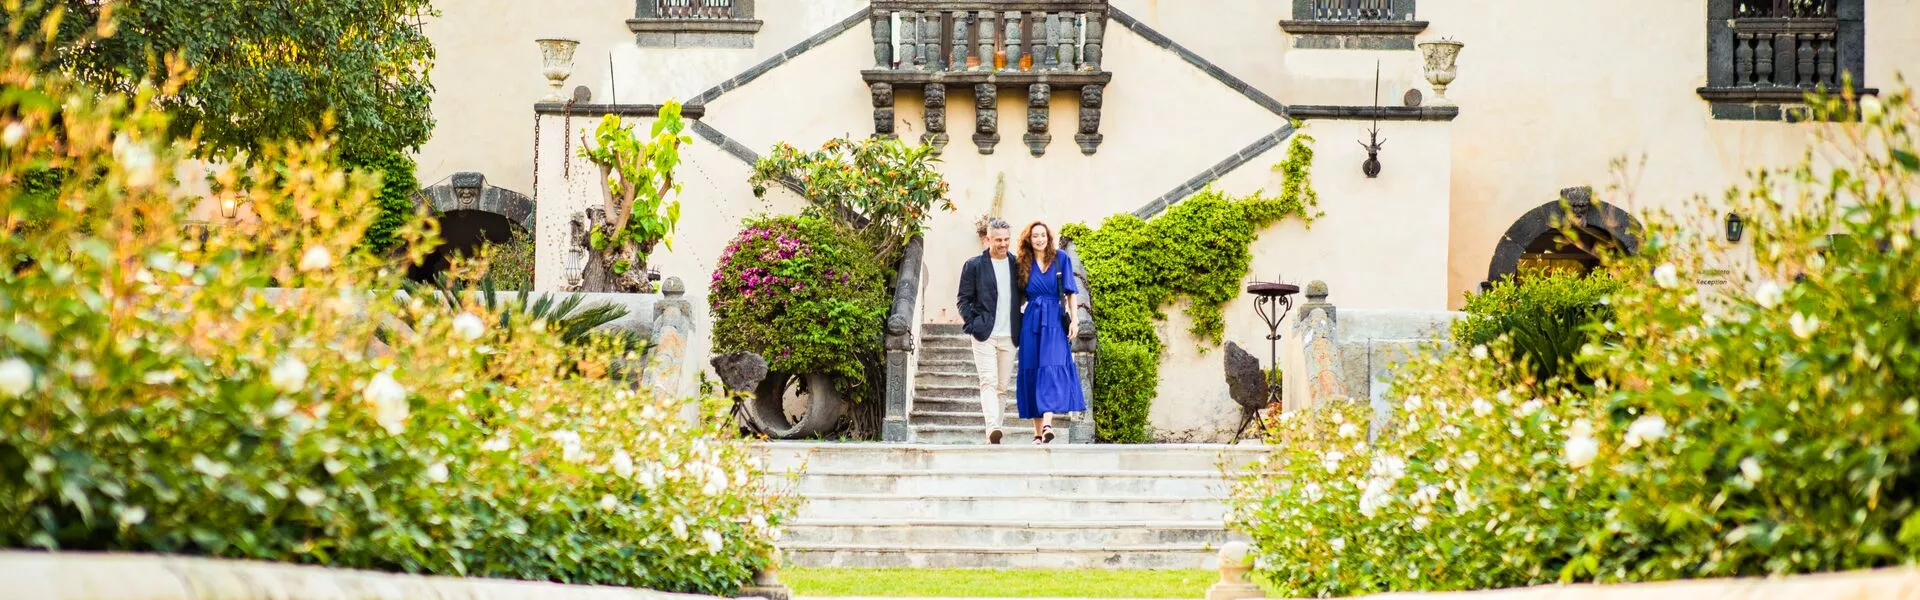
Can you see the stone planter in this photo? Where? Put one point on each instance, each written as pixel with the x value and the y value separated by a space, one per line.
pixel 556 63
pixel 1440 56
pixel 767 407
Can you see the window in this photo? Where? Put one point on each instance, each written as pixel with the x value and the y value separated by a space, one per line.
pixel 1763 56
pixel 694 23
pixel 1353 24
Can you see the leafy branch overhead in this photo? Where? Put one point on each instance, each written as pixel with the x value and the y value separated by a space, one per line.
pixel 880 186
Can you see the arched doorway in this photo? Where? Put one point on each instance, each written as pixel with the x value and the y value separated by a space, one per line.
pixel 1536 241
pixel 471 214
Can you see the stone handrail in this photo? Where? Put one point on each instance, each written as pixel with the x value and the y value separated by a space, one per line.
pixel 902 319
pixel 83 576
pixel 1086 347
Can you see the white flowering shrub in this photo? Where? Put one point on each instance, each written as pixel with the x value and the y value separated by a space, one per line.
pixel 153 399
pixel 1766 426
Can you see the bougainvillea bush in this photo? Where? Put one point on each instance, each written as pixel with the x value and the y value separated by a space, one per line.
pixel 155 398
pixel 804 293
pixel 1768 425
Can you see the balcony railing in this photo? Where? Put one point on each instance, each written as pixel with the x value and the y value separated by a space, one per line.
pixel 693 9
pixel 1763 56
pixel 990 36
pixel 1786 53
pixel 1359 10
pixel 1787 9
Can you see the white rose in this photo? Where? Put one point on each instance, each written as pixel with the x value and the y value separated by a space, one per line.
pixel 608 503
pixel 679 527
pixel 1479 352
pixel 1338 544
pixel 469 327
pixel 1645 429
pixel 15 132
pixel 714 542
pixel 389 400
pixel 316 258
pixel 289 375
pixel 496 444
pixel 1768 294
pixel 310 496
pixel 16 377
pixel 1803 326
pixel 1750 469
pixel 1666 275
pixel 1374 497
pixel 1348 430
pixel 1871 108
pixel 133 516
pixel 1580 451
pixel 1482 407
pixel 622 464
pixel 1531 406
pixel 437 473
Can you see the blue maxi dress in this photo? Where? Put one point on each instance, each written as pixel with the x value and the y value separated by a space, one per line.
pixel 1048 381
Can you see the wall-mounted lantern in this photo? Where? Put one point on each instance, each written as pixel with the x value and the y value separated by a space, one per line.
pixel 1736 227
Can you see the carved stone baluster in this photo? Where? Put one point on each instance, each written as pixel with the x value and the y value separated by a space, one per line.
pixel 882 22
pixel 1096 28
pixel 986 120
pixel 1038 95
pixel 1828 67
pixel 1805 68
pixel 1783 60
pixel 909 39
pixel 1743 59
pixel 1089 135
pixel 1763 60
pixel 1069 41
pixel 961 51
pixel 930 53
pixel 882 109
pixel 1014 50
pixel 988 60
pixel 1037 41
pixel 1053 42
pixel 936 134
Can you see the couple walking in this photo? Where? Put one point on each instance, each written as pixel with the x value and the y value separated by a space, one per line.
pixel 1021 302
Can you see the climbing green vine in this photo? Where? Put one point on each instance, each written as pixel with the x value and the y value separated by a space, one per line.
pixel 1199 250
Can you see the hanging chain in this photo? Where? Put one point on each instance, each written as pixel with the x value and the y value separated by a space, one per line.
pixel 536 156
pixel 566 141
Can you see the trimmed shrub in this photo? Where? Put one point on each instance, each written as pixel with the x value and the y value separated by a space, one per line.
pixel 1765 428
pixel 1124 380
pixel 393 204
pixel 154 398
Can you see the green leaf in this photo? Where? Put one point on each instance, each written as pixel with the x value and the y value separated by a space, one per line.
pixel 1906 159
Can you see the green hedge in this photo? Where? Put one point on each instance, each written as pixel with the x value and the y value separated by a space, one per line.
pixel 1768 426
pixel 393 204
pixel 1124 379
pixel 1548 318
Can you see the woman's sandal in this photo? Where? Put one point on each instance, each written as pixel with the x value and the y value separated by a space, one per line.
pixel 1036 441
pixel 1046 434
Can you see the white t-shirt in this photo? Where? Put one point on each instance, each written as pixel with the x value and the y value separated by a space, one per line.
pixel 1003 308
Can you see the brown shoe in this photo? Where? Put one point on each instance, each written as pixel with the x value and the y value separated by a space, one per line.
pixel 993 437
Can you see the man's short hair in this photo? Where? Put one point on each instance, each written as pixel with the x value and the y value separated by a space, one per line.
pixel 998 224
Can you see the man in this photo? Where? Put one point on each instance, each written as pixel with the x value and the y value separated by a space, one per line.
pixel 990 308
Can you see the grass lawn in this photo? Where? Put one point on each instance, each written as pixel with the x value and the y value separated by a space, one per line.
pixel 987 583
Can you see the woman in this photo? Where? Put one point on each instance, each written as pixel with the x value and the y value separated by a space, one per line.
pixel 1048 381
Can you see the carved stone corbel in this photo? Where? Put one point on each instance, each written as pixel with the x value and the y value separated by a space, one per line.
pixel 936 134
pixel 1038 95
pixel 882 109
pixel 986 123
pixel 1089 136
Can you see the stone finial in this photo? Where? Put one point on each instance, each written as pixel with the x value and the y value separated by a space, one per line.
pixel 1234 565
pixel 673 287
pixel 1317 291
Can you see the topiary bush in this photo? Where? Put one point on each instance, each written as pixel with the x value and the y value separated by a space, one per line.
pixel 806 294
pixel 1548 317
pixel 1762 428
pixel 1124 378
pixel 1198 249
pixel 155 398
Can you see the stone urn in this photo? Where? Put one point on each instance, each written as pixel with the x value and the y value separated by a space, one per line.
pixel 556 63
pixel 1440 56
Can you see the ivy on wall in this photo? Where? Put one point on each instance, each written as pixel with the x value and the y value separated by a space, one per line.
pixel 1200 250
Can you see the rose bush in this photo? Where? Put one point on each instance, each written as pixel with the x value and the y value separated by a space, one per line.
pixel 156 396
pixel 1766 427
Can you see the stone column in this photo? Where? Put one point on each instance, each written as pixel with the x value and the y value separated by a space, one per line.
pixel 1038 95
pixel 985 40
pixel 986 121
pixel 936 134
pixel 1014 50
pixel 1096 29
pixel 958 62
pixel 672 329
pixel 929 57
pixel 1037 40
pixel 1315 341
pixel 910 40
pixel 882 109
pixel 1089 136
pixel 1053 42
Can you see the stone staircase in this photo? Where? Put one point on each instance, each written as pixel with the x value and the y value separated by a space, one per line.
pixel 1005 507
pixel 946 395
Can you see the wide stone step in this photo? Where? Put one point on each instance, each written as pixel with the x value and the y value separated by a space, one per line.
pixel 956 367
pixel 933 329
pixel 1021 458
pixel 1057 508
pixel 945 391
pixel 1015 431
pixel 1007 533
pixel 946 355
pixel 963 404
pixel 1145 484
pixel 1009 422
pixel 944 342
pixel 946 379
pixel 1197 556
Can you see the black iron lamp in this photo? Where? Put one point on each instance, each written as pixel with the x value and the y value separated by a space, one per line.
pixel 1736 227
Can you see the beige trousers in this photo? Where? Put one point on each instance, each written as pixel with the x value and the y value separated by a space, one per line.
pixel 993 359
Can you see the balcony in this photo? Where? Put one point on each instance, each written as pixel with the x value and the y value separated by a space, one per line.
pixel 1353 24
pixel 1036 46
pixel 693 23
pixel 1769 54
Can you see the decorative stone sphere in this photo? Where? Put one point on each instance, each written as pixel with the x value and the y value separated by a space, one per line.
pixel 1234 553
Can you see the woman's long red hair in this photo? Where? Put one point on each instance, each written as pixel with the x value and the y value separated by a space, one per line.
pixel 1027 252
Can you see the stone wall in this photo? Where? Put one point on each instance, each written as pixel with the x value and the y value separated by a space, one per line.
pixel 1882 584
pixel 75 576
pixel 1334 352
